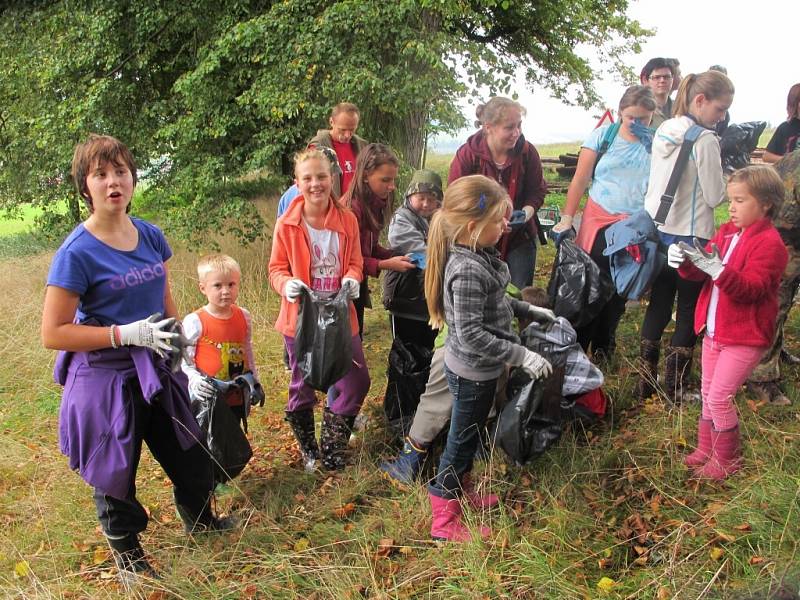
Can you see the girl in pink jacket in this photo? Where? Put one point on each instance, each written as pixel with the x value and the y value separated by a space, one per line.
pixel 741 268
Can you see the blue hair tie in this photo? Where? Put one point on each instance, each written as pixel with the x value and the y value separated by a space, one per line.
pixel 482 202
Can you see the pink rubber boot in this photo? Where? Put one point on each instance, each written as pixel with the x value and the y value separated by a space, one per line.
pixel 477 500
pixel 447 525
pixel 703 452
pixel 726 455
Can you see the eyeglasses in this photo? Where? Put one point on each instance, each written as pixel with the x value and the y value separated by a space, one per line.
pixel 660 77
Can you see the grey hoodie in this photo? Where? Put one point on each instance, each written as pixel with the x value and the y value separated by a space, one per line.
pixel 701 188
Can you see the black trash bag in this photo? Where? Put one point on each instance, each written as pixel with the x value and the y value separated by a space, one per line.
pixel 407 376
pixel 530 422
pixel 230 450
pixel 578 289
pixel 737 142
pixel 322 342
pixel 404 293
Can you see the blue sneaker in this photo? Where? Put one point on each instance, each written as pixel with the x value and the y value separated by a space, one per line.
pixel 405 468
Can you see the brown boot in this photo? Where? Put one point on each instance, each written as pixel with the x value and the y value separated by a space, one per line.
pixel 769 392
pixel 677 373
pixel 648 367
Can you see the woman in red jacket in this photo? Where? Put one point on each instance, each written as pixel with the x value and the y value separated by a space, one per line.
pixel 499 151
pixel 371 198
pixel 741 267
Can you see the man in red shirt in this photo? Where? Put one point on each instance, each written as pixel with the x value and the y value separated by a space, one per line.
pixel 342 138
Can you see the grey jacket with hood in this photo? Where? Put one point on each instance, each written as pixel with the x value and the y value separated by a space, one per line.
pixel 701 188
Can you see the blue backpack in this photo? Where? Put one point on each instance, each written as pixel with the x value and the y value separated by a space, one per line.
pixel 635 254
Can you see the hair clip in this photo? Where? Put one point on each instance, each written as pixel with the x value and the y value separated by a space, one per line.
pixel 482 202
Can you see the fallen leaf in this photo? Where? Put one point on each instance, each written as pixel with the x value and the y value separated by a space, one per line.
pixel 100 555
pixel 716 553
pixel 756 560
pixel 744 527
pixel 344 511
pixel 663 593
pixel 22 569
pixel 301 545
pixel 385 548
pixel 606 584
pixel 604 563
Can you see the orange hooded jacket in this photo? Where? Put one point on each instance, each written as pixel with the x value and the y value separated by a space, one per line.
pixel 291 257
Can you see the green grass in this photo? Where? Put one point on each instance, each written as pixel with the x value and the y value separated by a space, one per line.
pixel 614 502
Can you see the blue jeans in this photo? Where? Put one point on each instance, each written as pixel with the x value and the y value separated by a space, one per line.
pixel 521 262
pixel 472 401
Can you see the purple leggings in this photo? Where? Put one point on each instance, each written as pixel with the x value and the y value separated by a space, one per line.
pixel 725 369
pixel 345 396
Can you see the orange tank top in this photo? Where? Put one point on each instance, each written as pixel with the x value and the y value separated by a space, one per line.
pixel 220 347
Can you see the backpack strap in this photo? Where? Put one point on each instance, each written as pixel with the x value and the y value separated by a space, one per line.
pixel 608 139
pixel 668 196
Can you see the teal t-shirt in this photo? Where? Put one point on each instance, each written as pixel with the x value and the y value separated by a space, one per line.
pixel 620 181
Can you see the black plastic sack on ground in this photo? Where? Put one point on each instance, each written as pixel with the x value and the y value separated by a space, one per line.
pixel 578 289
pixel 530 422
pixel 226 441
pixel 322 342
pixel 407 375
pixel 737 142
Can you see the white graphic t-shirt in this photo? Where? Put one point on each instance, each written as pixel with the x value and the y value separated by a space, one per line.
pixel 326 270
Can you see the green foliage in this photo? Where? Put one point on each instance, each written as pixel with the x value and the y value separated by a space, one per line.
pixel 215 92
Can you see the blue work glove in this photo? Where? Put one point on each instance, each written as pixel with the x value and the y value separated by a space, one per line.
pixel 644 133
pixel 518 219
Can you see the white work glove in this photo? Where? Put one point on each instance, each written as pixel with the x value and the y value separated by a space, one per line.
pixel 293 289
pixel 536 365
pixel 708 262
pixel 543 315
pixel 149 333
pixel 352 286
pixel 529 212
pixel 675 256
pixel 563 225
pixel 202 389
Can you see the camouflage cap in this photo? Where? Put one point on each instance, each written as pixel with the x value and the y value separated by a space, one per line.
pixel 425 181
pixel 330 154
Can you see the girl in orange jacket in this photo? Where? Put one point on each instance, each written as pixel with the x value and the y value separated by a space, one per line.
pixel 316 246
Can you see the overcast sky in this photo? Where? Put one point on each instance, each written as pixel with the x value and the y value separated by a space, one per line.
pixel 756 40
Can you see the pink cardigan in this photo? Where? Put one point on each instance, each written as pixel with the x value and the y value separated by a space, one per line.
pixel 748 286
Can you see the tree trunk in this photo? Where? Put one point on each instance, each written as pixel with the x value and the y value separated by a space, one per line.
pixel 415 136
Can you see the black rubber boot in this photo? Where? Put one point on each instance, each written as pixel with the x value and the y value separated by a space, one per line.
pixel 649 352
pixel 201 519
pixel 677 371
pixel 335 434
pixel 302 424
pixel 132 565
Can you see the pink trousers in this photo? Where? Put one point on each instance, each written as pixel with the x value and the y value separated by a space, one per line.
pixel 725 368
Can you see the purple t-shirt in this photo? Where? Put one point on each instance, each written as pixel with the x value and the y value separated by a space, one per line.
pixel 115 286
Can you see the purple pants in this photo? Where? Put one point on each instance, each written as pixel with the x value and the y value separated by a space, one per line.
pixel 725 369
pixel 345 397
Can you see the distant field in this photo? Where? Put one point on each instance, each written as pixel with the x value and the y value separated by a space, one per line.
pixel 19 224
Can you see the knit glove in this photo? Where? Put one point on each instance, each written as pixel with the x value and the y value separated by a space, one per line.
pixel 543 315
pixel 352 286
pixel 707 262
pixel 675 256
pixel 536 365
pixel 202 389
pixel 152 332
pixel 293 289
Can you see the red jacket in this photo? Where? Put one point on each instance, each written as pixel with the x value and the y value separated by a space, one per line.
pixel 521 176
pixel 748 286
pixel 291 257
